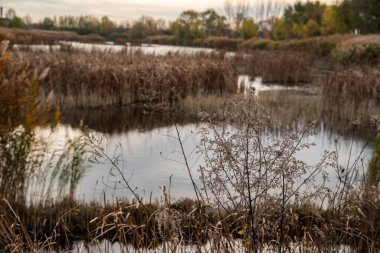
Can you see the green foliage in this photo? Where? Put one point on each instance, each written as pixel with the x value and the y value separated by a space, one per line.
pixel 143 28
pixel 331 22
pixel 249 29
pixel 374 166
pixel 187 28
pixel 48 23
pixel 367 54
pixel 368 15
pixel 71 166
pixel 280 29
pixel 212 23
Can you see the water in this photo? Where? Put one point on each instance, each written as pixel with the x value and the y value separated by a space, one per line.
pixel 150 156
pixel 128 48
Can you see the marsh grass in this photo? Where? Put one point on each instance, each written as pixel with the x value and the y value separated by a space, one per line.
pixel 35 36
pixel 101 79
pixel 354 82
pixel 277 214
pixel 280 67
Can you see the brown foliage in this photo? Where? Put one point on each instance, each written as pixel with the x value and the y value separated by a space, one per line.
pixel 284 67
pixel 358 83
pixel 102 79
pixel 35 36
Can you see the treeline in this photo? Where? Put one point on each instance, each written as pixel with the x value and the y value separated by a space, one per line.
pixel 313 18
pixel 272 20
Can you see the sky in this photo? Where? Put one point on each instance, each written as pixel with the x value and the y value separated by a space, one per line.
pixel 117 10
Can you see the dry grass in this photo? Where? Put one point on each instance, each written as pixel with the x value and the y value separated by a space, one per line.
pixel 281 67
pixel 219 42
pixel 55 225
pixel 35 36
pixel 101 79
pixel 358 83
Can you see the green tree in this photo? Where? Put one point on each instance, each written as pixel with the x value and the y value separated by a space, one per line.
pixel 304 19
pixel 368 12
pixel 312 28
pixel 212 23
pixel 280 29
pixel 48 23
pixel 332 23
pixel 87 24
pixel 299 30
pixel 142 28
pixel 17 22
pixel 249 28
pixel 187 27
pixel 106 26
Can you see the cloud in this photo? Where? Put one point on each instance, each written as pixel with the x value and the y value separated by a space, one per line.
pixel 118 10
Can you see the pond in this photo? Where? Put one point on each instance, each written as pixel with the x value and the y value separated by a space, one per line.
pixel 128 48
pixel 150 156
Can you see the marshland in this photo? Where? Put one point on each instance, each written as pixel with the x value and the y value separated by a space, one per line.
pixel 252 131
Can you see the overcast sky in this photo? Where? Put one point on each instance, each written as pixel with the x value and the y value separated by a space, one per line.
pixel 117 10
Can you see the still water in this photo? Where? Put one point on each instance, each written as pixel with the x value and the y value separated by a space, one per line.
pixel 149 154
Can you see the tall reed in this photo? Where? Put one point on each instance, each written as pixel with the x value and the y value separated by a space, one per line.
pixel 354 82
pixel 282 67
pixel 100 79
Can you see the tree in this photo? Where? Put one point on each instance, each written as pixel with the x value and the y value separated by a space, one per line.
pixel 331 22
pixel 212 23
pixel 187 27
pixel 280 30
pixel 10 14
pixel 236 12
pixel 312 28
pixel 106 26
pixel 249 29
pixel 347 14
pixel 48 23
pixel 144 27
pixel 368 12
pixel 304 19
pixel 87 24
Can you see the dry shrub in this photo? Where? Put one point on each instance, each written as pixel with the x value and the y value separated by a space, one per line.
pixel 100 79
pixel 284 67
pixel 219 42
pixel 260 44
pixel 161 39
pixel 318 46
pixel 358 83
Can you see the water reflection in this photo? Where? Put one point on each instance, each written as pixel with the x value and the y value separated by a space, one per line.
pixel 128 48
pixel 150 154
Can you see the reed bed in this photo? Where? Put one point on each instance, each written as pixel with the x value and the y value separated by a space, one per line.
pixel 56 225
pixel 283 67
pixel 354 82
pixel 291 111
pixel 100 79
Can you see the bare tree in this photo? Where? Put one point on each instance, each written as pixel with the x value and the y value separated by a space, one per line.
pixel 236 11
